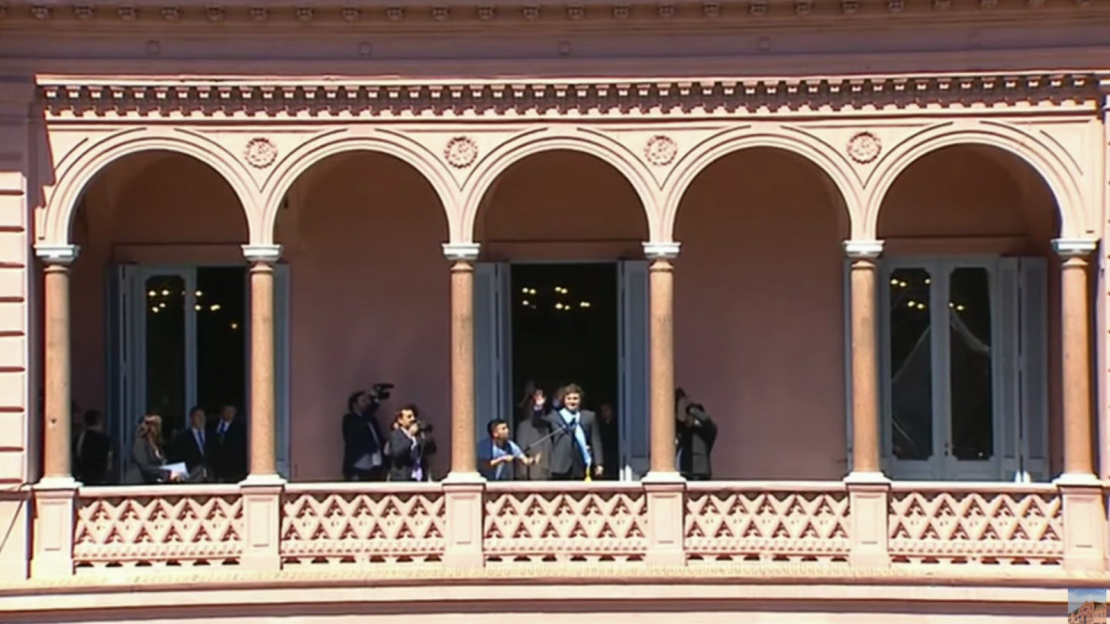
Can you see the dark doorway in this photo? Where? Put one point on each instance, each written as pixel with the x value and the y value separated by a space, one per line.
pixel 221 338
pixel 564 329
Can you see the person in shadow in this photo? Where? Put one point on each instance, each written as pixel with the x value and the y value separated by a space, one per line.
pixel 695 434
pixel 363 442
pixel 228 447
pixel 190 445
pixel 94 451
pixel 533 435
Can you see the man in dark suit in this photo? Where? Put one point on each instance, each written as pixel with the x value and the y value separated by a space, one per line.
pixel 695 433
pixel 227 447
pixel 363 442
pixel 576 439
pixel 190 445
pixel 407 447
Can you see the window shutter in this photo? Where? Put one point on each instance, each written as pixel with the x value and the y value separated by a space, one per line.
pixel 282 363
pixel 634 410
pixel 124 298
pixel 1033 308
pixel 1008 369
pixel 492 394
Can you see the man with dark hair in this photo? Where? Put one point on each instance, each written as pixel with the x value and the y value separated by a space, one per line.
pixel 576 446
pixel 363 442
pixel 94 454
pixel 190 445
pixel 228 447
pixel 695 434
pixel 497 453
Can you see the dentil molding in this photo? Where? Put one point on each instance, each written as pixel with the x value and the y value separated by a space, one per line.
pixel 73 97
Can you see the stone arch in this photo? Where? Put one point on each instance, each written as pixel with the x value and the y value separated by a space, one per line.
pixel 318 149
pixel 73 179
pixel 516 150
pixel 1045 160
pixel 710 151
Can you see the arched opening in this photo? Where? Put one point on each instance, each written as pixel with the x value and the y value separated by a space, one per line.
pixel 969 338
pixel 368 302
pixel 561 298
pixel 759 314
pixel 159 303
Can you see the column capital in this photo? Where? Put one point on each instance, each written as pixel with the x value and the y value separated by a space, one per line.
pixel 262 253
pixel 57 254
pixel 461 252
pixel 863 249
pixel 1074 247
pixel 661 250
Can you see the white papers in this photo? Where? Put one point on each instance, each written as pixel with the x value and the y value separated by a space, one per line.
pixel 179 469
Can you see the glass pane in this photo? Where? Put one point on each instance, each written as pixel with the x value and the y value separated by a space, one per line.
pixel 220 307
pixel 165 350
pixel 911 359
pixel 969 344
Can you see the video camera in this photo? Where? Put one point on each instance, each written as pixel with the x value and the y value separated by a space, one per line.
pixel 380 391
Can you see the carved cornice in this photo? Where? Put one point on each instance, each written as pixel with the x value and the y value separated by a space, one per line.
pixel 408 12
pixel 84 98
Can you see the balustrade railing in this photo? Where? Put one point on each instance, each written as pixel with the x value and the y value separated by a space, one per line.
pixel 720 522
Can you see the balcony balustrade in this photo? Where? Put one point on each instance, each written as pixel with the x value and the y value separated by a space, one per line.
pixel 986 526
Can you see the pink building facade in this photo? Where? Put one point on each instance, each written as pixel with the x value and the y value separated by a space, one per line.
pixel 866 235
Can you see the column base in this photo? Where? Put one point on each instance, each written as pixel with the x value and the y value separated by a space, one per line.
pixel 464 494
pixel 1084 521
pixel 666 511
pixel 262 513
pixel 869 500
pixel 55 506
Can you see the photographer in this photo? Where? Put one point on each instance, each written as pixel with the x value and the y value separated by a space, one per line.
pixel 363 442
pixel 695 433
pixel 408 443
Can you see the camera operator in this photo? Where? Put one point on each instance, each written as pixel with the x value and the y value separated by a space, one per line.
pixel 695 433
pixel 408 443
pixel 363 442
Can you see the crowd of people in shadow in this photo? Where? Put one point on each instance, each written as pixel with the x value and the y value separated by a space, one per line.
pixel 551 438
pixel 207 450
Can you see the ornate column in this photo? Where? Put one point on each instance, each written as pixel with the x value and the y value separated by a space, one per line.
pixel 664 487
pixel 262 489
pixel 56 492
pixel 1084 518
pixel 868 488
pixel 463 487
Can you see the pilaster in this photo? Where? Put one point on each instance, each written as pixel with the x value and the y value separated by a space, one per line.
pixel 262 512
pixel 869 500
pixel 666 513
pixel 55 506
pixel 1084 522
pixel 464 496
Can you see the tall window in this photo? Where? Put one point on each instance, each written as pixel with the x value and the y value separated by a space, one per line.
pixel 964 368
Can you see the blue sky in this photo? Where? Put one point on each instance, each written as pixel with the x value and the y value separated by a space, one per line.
pixel 1077 597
